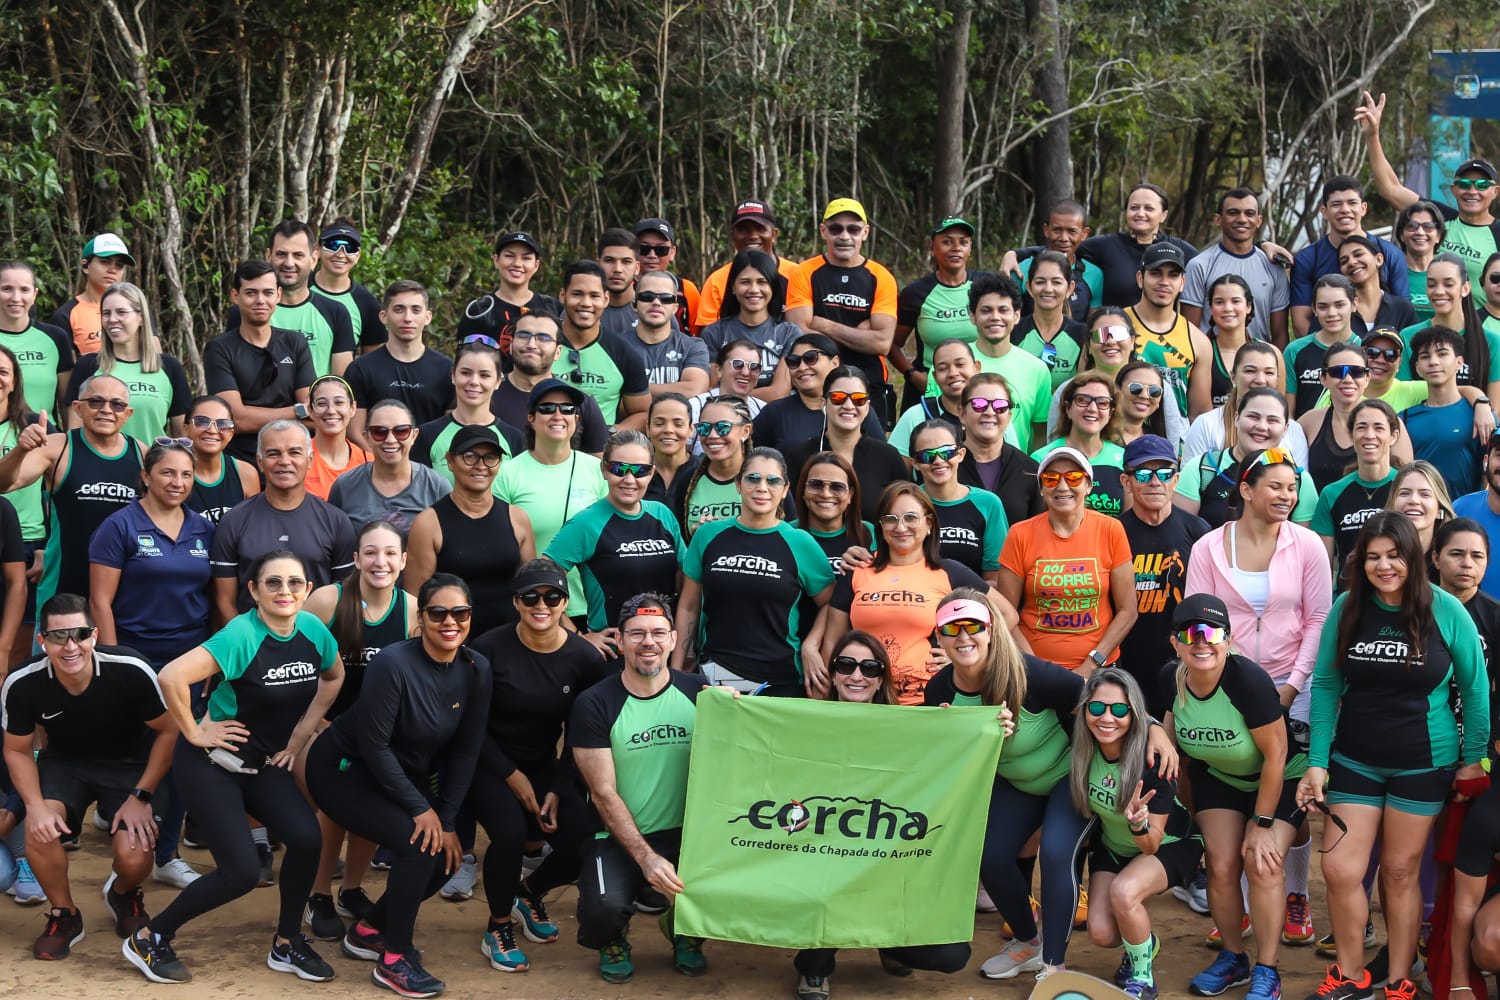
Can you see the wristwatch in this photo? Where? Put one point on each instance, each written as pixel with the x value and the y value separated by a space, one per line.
pixel 1097 657
pixel 300 410
pixel 1265 822
pixel 142 794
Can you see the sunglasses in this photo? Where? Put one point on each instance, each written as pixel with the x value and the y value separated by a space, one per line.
pixel 840 398
pixel 756 478
pixel 576 360
pixel 840 228
pixel 1390 354
pixel 941 453
pixel 827 486
pixel 171 442
pixel 965 625
pixel 1337 821
pixel 379 433
pixel 348 246
pixel 1112 335
pixel 436 613
pixel 522 336
pixel 1492 279
pixel 551 598
pixel 1097 402
pixel 846 665
pixel 276 584
pixel 485 339
pixel 1211 634
pixel 488 459
pixel 62 636
pixel 709 428
pixel 1421 227
pixel 665 298
pixel 547 409
pixel 653 249
pixel 620 470
pixel 1136 389
pixel 97 403
pixel 808 357
pixel 999 407
pixel 1074 477
pixel 1473 183
pixel 1118 709
pixel 892 520
pixel 1144 476
pixel 1340 372
pixel 204 423
pixel 1271 456
pixel 740 364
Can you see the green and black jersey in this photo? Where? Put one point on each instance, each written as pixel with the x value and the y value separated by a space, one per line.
pixel 1107 801
pixel 363 309
pixel 619 555
pixel 972 529
pixel 43 351
pixel 1343 508
pixel 1216 730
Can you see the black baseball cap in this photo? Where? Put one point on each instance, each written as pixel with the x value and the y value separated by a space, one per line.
pixel 1481 166
pixel 1164 252
pixel 1201 609
pixel 660 227
pixel 473 436
pixel 547 385
pixel 525 239
pixel 753 209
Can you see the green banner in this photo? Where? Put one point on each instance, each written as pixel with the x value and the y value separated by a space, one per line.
pixel 822 825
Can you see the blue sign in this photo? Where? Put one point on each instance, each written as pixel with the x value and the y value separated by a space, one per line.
pixel 1468 83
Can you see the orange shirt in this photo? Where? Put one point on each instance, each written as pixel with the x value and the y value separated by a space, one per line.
pixel 84 323
pixel 1065 594
pixel 320 475
pixel 711 299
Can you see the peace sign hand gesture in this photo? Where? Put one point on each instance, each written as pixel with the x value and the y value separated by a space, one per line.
pixel 1137 813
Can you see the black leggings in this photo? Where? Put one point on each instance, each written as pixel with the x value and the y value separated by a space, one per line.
pixel 510 826
pixel 608 883
pixel 219 801
pixel 353 799
pixel 927 957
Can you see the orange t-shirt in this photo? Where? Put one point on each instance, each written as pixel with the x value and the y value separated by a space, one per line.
pixel 85 324
pixel 1065 595
pixel 711 298
pixel 320 475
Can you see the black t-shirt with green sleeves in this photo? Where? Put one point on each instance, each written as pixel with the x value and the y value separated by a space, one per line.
pixel 619 555
pixel 1343 508
pixel 1216 730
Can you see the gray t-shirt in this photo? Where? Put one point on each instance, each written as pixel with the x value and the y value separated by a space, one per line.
pixel 1268 284
pixel 317 531
pixel 355 494
pixel 665 362
pixel 773 337
pixel 619 320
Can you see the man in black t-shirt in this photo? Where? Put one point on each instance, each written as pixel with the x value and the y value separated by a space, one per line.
pixel 404 367
pixel 532 355
pixel 1161 536
pixel 109 743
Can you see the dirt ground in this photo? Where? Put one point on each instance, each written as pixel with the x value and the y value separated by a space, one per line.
pixel 226 953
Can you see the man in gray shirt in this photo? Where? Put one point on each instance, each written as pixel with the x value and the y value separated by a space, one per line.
pixel 1238 218
pixel 675 362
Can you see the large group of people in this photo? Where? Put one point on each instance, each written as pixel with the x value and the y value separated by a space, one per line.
pixel 1209 529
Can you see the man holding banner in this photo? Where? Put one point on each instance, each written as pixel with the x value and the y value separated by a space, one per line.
pixel 631 737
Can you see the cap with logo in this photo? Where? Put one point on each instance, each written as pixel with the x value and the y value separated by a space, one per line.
pixel 1477 166
pixel 545 575
pixel 1148 448
pixel 1162 253
pixel 340 231
pixel 953 222
pixel 1070 454
pixel 660 227
pixel 525 239
pixel 107 245
pixel 547 385
pixel 1385 333
pixel 473 436
pixel 753 210
pixel 1201 609
pixel 840 206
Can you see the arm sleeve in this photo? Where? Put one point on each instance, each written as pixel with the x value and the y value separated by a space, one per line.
pixel 1189 481
pixel 909 307
pixel 1280 290
pixel 463 750
pixel 380 698
pixel 182 393
pixel 1322 519
pixel 341 552
pixel 1327 688
pixel 224 554
pixel 636 381
pixel 359 384
pixel 1458 631
pixel 1195 285
pixel 1200 570
pixel 589 722
pixel 1165 799
pixel 812 565
pixel 339 322
pixel 306 372
pixel 575 541
pixel 996 527
pixel 940 688
pixel 1013 554
pixel 67 351
pixel 1317 595
pixel 843 593
pixel 1396 280
pixel 595 430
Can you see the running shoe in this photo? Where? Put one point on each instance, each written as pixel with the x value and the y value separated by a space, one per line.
pixel 461 886
pixel 381 862
pixel 812 988
pixel 532 860
pixel 1325 945
pixel 352 904
pixel 1401 989
pixel 177 873
pixel 1337 986
pixel 1049 970
pixel 1379 967
pixel 1080 912
pixel 687 952
pixel 499 946
pixel 1228 969
pixel 363 942
pixel 267 875
pixel 614 961
pixel 323 918
pixel 1126 969
pixel 155 958
pixel 1015 958
pixel 128 908
pixel 26 889
pixel 406 977
pixel 650 901
pixel 983 903
pixel 1139 989
pixel 535 923
pixel 1195 893
pixel 1298 928
pixel 1215 937
pixel 64 929
pixel 1265 983
pixel 298 957
pixel 893 966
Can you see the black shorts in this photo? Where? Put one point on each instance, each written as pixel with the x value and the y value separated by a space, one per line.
pixel 1180 859
pixel 78 782
pixel 1210 792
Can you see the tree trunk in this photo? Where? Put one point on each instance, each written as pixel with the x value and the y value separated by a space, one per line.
pixel 953 90
pixel 1052 161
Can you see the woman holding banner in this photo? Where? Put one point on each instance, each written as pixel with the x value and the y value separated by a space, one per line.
pixel 860 671
pixel 1145 841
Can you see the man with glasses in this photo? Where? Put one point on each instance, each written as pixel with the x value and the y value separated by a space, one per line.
pixel 675 362
pixel 1343 208
pixel 609 368
pixel 1239 218
pixel 849 298
pixel 638 785
pixel 105 258
pixel 752 226
pixel 283 516
pixel 264 373
pixel 403 367
pixel 340 245
pixel 1472 231
pixel 656 249
pixel 89 472
pixel 325 324
pixel 109 744
pixel 1161 535
pixel 517 257
pixel 535 346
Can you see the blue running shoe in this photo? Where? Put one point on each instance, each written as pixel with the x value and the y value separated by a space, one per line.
pixel 535 923
pixel 1228 969
pixel 1265 983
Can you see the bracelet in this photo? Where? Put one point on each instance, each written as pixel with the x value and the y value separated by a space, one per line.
pixel 1141 831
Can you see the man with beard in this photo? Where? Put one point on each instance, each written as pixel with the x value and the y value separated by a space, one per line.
pixel 1164 336
pixel 656 249
pixel 610 368
pixel 330 335
pixel 535 344
pixel 617 257
pixel 675 362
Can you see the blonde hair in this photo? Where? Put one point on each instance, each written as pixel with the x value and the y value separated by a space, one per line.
pixel 1132 750
pixel 150 356
pixel 1005 667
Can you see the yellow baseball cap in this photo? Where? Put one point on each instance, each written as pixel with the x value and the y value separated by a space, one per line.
pixel 838 206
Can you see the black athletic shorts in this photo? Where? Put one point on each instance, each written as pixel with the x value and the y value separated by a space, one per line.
pixel 78 782
pixel 1180 858
pixel 1211 793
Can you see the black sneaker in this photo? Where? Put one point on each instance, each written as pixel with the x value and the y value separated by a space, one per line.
pixel 406 977
pixel 128 908
pixel 1337 986
pixel 353 903
pixel 156 959
pixel 381 862
pixel 298 958
pixel 322 916
pixel 64 929
pixel 363 942
pixel 267 866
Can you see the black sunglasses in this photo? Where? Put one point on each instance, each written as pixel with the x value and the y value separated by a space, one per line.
pixel 551 598
pixel 845 665
pixel 1322 807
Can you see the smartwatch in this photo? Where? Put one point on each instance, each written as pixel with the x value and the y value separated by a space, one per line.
pixel 1265 822
pixel 301 411
pixel 142 794
pixel 1097 657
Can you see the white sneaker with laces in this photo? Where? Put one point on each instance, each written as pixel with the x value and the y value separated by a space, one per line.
pixel 177 873
pixel 461 886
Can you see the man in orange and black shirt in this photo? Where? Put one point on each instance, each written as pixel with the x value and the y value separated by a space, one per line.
pixel 846 296
pixel 751 227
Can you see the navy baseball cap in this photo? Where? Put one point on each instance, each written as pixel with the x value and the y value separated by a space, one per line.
pixel 1148 448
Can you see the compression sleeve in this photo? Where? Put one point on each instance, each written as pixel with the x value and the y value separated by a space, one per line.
pixel 1328 686
pixel 380 698
pixel 1458 631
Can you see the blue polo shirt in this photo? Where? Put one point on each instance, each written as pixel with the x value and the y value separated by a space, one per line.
pixel 161 606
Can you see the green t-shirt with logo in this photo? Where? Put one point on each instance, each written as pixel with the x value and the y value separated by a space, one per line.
pixel 711 500
pixel 607 369
pixel 1216 730
pixel 1062 354
pixel 1475 244
pixel 1416 282
pixel 324 323
pixel 1106 799
pixel 41 356
pixel 552 495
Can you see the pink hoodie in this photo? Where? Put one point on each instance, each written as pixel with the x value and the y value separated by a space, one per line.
pixel 1284 641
